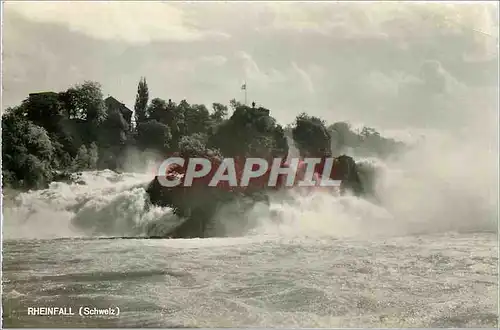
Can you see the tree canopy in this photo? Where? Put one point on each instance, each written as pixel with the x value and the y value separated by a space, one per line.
pixel 77 130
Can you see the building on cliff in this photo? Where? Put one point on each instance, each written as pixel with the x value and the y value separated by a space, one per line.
pixel 114 105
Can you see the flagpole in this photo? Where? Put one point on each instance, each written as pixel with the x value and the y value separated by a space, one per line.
pixel 245 93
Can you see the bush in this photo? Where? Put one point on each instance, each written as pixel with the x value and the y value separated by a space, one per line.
pixel 27 152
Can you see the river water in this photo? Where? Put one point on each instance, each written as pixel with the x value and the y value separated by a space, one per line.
pixel 447 280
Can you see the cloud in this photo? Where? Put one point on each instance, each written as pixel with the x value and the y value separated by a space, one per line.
pixel 134 22
pixel 292 76
pixel 304 77
pixel 349 20
pixel 299 16
pixel 334 60
pixel 216 60
pixel 257 76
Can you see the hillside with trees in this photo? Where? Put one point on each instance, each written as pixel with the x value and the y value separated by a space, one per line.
pixel 50 135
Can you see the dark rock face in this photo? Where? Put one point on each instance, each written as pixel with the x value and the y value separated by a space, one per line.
pixel 196 204
pixel 199 204
pixel 348 173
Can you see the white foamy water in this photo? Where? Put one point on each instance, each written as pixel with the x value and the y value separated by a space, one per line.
pixel 425 254
pixel 103 203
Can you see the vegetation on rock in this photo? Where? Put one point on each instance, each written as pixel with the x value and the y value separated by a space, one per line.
pixel 52 133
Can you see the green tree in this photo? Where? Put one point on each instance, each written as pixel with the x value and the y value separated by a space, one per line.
pixel 81 161
pixel 45 110
pixel 158 110
pixel 311 136
pixel 154 135
pixel 27 152
pixel 197 119
pixel 93 155
pixel 86 158
pixel 249 131
pixel 114 130
pixel 235 104
pixel 219 112
pixel 85 102
pixel 141 102
pixel 192 145
pixel 176 121
pixel 340 133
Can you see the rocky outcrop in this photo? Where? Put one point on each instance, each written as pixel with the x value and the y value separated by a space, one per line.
pixel 199 204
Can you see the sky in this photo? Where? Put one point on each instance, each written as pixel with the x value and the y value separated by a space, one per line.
pixel 362 62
